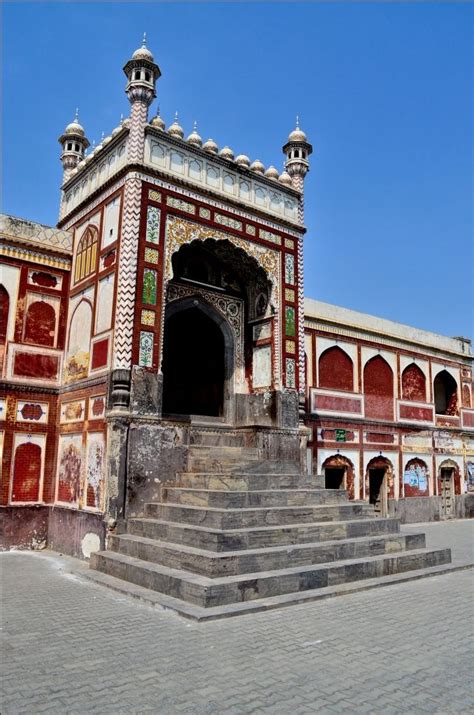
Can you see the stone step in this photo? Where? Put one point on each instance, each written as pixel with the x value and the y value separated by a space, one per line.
pixel 215 564
pixel 241 499
pixel 241 481
pixel 197 613
pixel 206 592
pixel 257 516
pixel 253 538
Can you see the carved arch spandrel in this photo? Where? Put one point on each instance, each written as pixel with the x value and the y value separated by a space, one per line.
pixel 180 232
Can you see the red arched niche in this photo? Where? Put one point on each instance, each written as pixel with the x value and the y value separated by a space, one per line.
pixel 336 370
pixel 413 384
pixel 378 389
pixel 26 473
pixel 415 479
pixel 40 323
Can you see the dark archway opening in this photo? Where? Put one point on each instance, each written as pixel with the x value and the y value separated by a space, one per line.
pixel 193 365
pixel 445 394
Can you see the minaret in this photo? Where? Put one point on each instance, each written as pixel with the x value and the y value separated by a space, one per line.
pixel 142 74
pixel 74 144
pixel 297 150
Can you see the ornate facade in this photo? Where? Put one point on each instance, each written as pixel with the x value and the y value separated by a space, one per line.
pixel 168 302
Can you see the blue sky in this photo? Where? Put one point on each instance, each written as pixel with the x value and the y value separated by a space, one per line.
pixel 384 92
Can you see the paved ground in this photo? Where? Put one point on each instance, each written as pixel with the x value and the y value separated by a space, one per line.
pixel 72 647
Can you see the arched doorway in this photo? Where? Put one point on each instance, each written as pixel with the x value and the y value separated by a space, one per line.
pixel 197 360
pixel 339 474
pixel 449 484
pixel 379 484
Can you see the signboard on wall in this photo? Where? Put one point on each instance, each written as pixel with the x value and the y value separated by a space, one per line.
pixel 340 435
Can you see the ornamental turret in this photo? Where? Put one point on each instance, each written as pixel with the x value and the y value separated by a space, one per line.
pixel 74 144
pixel 142 74
pixel 297 150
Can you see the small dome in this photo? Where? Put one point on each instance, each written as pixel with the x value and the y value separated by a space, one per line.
pixel 194 137
pixel 143 53
pixel 257 166
pixel 272 173
pixel 227 153
pixel 175 129
pixel 116 131
pixel 242 160
pixel 297 135
pixel 158 122
pixel 74 127
pixel 210 146
pixel 106 140
pixel 285 179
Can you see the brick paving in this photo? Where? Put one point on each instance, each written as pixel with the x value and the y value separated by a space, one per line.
pixel 72 647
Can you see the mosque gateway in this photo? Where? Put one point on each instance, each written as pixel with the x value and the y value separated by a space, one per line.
pixel 170 399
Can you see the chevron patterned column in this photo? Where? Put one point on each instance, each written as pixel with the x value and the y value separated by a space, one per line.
pixel 127 274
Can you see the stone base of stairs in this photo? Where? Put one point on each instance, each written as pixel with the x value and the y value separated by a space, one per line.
pixel 198 613
pixel 237 534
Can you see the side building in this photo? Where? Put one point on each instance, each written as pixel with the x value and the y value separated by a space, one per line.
pixel 391 413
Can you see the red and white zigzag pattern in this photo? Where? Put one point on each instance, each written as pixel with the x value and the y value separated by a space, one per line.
pixel 127 274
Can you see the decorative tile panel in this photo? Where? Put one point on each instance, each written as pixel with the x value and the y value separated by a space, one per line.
pixel 269 236
pixel 251 230
pixel 180 204
pixel 148 317
pixel 151 255
pixel 154 195
pixel 145 357
pixel 290 372
pixel 35 412
pixel 289 269
pixel 290 295
pixel 290 346
pixel 73 411
pixel 204 213
pixel 227 221
pixel 153 224
pixel 290 324
pixel 289 243
pixel 262 332
pixel 97 407
pixel 149 286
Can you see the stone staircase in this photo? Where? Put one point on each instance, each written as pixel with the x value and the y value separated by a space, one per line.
pixel 237 534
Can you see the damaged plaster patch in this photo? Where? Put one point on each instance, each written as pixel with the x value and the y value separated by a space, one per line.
pixel 89 544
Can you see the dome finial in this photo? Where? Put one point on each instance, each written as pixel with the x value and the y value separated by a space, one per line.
pixel 144 40
pixel 195 126
pixel 176 116
pixel 76 116
pixel 297 121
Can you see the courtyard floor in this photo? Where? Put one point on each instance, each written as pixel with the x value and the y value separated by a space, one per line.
pixel 70 646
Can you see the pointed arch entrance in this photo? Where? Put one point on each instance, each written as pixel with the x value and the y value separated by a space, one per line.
pixel 379 484
pixel 198 360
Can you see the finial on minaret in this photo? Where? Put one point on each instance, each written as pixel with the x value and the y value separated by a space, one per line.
pixel 297 121
pixel 76 116
pixel 144 40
